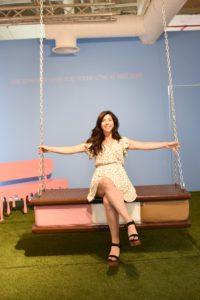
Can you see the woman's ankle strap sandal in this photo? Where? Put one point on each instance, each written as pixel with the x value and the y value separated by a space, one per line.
pixel 116 245
pixel 134 239
pixel 113 260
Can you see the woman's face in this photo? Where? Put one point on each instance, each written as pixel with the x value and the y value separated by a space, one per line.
pixel 107 124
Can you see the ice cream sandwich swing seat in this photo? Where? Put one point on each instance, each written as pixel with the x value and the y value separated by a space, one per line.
pixel 157 206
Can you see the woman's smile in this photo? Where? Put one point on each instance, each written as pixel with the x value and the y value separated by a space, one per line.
pixel 107 123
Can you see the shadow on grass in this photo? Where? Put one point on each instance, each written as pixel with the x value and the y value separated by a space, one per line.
pixel 63 244
pixel 98 243
pixel 129 268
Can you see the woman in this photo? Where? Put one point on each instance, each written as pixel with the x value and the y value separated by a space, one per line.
pixel 110 180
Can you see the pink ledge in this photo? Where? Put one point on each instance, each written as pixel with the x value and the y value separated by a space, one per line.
pixel 22 169
pixel 1 210
pixel 25 189
pixel 63 215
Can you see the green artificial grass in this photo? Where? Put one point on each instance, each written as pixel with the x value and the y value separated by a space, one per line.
pixel 73 265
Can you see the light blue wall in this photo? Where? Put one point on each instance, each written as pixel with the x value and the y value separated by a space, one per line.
pixel 121 75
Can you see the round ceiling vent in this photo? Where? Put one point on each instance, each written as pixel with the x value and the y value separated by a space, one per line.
pixel 66 50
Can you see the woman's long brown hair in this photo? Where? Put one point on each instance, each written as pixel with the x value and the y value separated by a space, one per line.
pixel 97 136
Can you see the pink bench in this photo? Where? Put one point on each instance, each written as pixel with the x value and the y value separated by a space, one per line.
pixel 26 170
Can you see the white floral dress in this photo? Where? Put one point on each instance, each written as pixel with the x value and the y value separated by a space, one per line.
pixel 110 164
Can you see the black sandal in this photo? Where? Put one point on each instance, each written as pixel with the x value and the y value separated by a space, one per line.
pixel 134 239
pixel 113 262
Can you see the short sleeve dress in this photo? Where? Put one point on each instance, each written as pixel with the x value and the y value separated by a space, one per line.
pixel 110 164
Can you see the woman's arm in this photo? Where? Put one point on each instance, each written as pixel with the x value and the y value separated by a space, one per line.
pixel 138 145
pixel 62 150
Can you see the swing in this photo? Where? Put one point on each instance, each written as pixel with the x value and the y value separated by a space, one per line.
pixel 157 206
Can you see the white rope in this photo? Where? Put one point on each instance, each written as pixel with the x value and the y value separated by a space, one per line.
pixel 41 158
pixel 178 173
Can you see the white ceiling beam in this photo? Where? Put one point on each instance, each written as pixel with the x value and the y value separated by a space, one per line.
pixel 184 22
pixel 20 32
pixel 142 6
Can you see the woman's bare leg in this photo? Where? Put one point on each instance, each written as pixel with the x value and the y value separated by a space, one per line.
pixel 106 188
pixel 112 217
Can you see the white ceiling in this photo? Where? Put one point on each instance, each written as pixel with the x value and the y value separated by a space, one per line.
pixel 27 31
